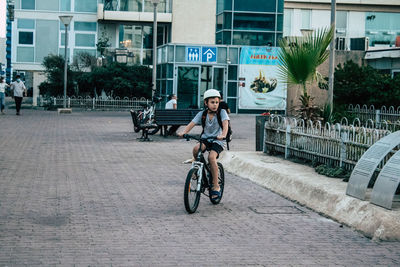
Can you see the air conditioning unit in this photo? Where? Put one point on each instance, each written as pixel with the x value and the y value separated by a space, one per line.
pixel 360 44
pixel 340 43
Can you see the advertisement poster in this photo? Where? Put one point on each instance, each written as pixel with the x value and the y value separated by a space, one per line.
pixel 260 86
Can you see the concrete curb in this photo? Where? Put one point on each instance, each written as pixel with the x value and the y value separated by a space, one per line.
pixel 320 193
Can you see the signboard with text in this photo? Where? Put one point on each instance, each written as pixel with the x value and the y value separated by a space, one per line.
pixel 260 86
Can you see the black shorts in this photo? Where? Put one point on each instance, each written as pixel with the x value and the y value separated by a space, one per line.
pixel 214 146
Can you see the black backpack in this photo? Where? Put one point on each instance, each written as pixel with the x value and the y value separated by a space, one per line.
pixel 228 135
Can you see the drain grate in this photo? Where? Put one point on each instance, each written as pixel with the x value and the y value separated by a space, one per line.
pixel 276 210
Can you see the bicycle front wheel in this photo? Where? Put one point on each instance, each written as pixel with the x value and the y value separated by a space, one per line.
pixel 191 196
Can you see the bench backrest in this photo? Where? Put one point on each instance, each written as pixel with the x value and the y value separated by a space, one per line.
pixel 175 116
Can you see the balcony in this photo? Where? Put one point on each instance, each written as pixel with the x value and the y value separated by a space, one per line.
pixel 116 13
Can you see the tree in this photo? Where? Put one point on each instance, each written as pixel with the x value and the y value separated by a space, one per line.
pixel 364 85
pixel 54 71
pixel 299 58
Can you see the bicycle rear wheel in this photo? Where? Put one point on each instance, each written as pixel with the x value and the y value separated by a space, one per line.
pixel 191 196
pixel 221 182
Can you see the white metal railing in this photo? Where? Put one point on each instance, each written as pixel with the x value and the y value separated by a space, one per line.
pixel 99 103
pixel 338 145
pixel 389 115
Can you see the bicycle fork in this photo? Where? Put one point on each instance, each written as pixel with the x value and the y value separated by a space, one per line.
pixel 199 166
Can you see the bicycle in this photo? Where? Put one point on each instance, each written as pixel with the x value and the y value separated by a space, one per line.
pixel 144 118
pixel 199 179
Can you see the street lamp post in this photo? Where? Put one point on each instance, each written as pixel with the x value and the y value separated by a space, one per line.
pixel 332 56
pixel 154 87
pixel 66 20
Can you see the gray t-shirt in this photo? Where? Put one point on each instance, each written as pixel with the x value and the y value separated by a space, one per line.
pixel 211 128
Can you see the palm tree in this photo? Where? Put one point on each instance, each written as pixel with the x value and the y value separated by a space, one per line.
pixel 299 58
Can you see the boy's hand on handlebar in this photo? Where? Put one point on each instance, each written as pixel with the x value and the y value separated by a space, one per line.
pixel 180 134
pixel 220 137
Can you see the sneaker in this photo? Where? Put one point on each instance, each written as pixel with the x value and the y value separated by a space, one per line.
pixel 18 113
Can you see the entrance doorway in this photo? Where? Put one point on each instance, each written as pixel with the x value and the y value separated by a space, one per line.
pixel 188 86
pixel 193 81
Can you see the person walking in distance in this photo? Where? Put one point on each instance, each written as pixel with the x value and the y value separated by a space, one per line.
pixel 171 104
pixel 3 86
pixel 19 90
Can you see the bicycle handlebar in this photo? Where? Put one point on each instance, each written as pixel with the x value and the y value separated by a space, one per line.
pixel 208 139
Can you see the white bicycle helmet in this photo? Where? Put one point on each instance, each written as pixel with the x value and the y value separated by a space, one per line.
pixel 211 93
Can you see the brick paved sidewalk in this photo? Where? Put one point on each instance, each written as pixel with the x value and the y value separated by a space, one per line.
pixel 80 189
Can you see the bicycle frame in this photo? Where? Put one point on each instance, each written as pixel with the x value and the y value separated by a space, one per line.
pixel 202 168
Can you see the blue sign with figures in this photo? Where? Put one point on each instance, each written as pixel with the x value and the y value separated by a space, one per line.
pixel 193 54
pixel 209 54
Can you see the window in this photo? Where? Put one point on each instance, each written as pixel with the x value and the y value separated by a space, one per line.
pixel 305 19
pixel 26 24
pixel 227 37
pixel 263 22
pixel 86 6
pixel 224 5
pixel 85 26
pixel 253 38
pixel 131 5
pixel 162 7
pixel 255 5
pixel 26 29
pixel 47 5
pixel 25 54
pixel 25 38
pixel 287 24
pixel 65 5
pixel 341 22
pixel 85 40
pixel 28 4
pixel 382 28
pixel 46 38
pixel 220 19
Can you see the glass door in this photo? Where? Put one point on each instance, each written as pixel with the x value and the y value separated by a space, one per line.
pixel 205 83
pixel 187 78
pixel 219 78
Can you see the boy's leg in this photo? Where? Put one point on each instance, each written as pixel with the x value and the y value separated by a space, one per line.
pixel 212 159
pixel 196 149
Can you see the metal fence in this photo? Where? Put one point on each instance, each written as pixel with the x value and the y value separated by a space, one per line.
pixel 338 145
pixel 99 103
pixel 389 115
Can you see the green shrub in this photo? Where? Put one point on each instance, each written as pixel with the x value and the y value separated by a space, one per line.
pixel 364 85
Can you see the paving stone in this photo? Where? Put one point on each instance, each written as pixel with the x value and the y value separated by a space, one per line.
pixel 81 190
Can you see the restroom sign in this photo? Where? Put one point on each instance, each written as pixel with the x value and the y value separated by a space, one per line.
pixel 193 54
pixel 209 54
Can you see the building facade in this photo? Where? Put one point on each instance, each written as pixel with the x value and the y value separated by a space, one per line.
pixel 249 22
pixel 376 20
pixel 228 25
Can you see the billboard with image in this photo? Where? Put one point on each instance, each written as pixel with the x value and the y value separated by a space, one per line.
pixel 260 86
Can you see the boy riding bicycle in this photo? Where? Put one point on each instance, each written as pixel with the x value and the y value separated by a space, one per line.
pixel 211 128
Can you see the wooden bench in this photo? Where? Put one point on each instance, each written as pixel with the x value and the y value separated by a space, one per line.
pixel 169 117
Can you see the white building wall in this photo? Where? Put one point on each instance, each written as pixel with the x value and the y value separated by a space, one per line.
pixel 193 21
